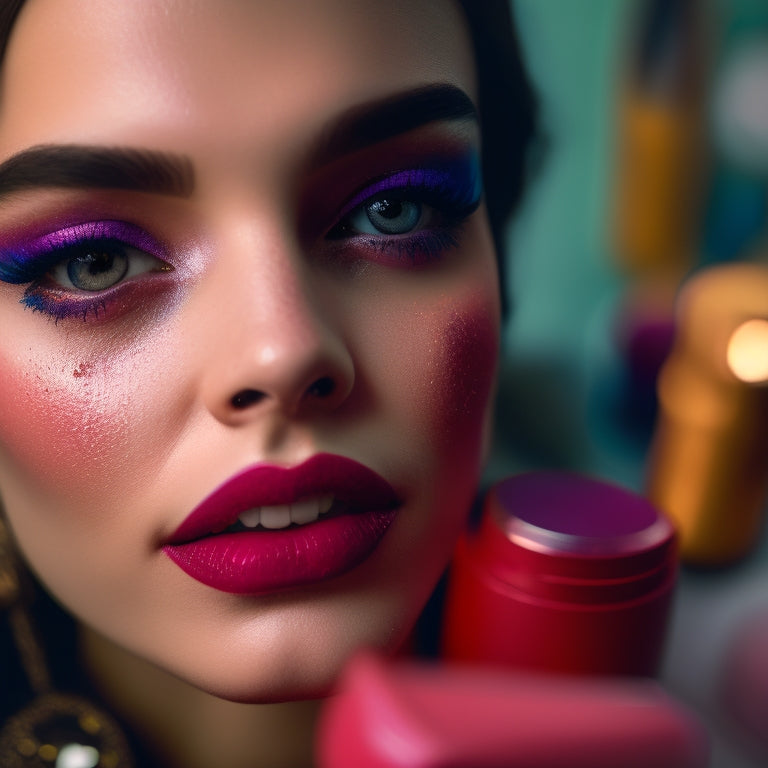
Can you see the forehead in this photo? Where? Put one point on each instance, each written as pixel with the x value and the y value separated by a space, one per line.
pixel 108 70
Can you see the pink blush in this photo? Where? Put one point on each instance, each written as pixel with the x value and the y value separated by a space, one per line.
pixel 471 352
pixel 83 369
pixel 462 368
pixel 53 424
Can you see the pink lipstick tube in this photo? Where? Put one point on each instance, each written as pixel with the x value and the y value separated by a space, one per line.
pixel 407 715
pixel 566 574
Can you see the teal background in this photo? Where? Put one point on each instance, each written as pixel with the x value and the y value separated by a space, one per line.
pixel 559 270
pixel 565 292
pixel 563 285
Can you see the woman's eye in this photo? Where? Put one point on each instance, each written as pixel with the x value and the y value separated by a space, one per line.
pixel 79 271
pixel 387 216
pixel 411 217
pixel 98 266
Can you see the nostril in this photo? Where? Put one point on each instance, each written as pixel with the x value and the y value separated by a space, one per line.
pixel 323 387
pixel 246 397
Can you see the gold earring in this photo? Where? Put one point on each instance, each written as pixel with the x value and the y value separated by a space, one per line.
pixel 55 730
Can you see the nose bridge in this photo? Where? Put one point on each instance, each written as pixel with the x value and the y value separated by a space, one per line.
pixel 275 344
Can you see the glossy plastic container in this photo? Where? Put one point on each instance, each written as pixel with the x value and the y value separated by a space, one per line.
pixel 566 574
pixel 409 715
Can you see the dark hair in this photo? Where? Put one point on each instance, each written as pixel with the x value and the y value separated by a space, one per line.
pixel 9 10
pixel 508 115
pixel 506 102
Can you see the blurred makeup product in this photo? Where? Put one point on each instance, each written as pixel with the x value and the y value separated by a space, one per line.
pixel 627 343
pixel 565 574
pixel 744 681
pixel 644 332
pixel 709 462
pixel 407 715
pixel 655 218
pixel 740 106
pixel 738 209
pixel 661 147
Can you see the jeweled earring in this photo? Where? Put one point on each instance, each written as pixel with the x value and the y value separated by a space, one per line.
pixel 55 730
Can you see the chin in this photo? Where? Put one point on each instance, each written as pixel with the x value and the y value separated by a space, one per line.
pixel 276 680
pixel 293 647
pixel 279 689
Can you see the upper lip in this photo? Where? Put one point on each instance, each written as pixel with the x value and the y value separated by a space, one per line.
pixel 263 484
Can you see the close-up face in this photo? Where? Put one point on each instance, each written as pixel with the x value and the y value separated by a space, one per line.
pixel 250 315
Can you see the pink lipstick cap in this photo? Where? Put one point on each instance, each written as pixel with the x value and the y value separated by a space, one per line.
pixel 565 574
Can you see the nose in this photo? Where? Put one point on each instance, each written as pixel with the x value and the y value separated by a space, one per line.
pixel 277 348
pixel 297 376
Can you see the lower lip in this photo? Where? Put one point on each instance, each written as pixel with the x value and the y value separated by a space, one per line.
pixel 254 562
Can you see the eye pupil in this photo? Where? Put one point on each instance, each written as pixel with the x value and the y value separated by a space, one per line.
pixel 389 209
pixel 97 270
pixel 393 217
pixel 98 262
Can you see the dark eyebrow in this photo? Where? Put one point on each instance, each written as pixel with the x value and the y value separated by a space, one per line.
pixel 368 124
pixel 142 170
pixel 78 166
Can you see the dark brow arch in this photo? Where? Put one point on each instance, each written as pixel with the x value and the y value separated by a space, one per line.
pixel 79 166
pixel 372 122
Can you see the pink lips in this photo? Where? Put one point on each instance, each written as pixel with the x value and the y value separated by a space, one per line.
pixel 257 561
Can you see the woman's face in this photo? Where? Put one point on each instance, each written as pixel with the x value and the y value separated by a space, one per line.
pixel 249 249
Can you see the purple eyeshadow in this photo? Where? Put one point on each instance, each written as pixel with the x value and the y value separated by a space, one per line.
pixel 451 185
pixel 456 182
pixel 97 230
pixel 24 261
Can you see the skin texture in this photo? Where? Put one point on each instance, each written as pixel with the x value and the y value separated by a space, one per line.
pixel 114 428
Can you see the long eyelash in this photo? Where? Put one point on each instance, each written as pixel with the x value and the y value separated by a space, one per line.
pixel 56 303
pixel 61 307
pixel 442 193
pixel 18 270
pixel 60 303
pixel 453 184
pixel 421 247
pixel 452 188
pixel 31 262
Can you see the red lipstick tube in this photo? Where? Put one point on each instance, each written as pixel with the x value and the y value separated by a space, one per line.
pixel 565 574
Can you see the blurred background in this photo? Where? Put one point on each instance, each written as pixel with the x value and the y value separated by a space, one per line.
pixel 655 178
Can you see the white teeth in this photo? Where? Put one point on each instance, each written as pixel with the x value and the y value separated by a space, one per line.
pixel 251 518
pixel 305 511
pixel 276 517
pixel 282 515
